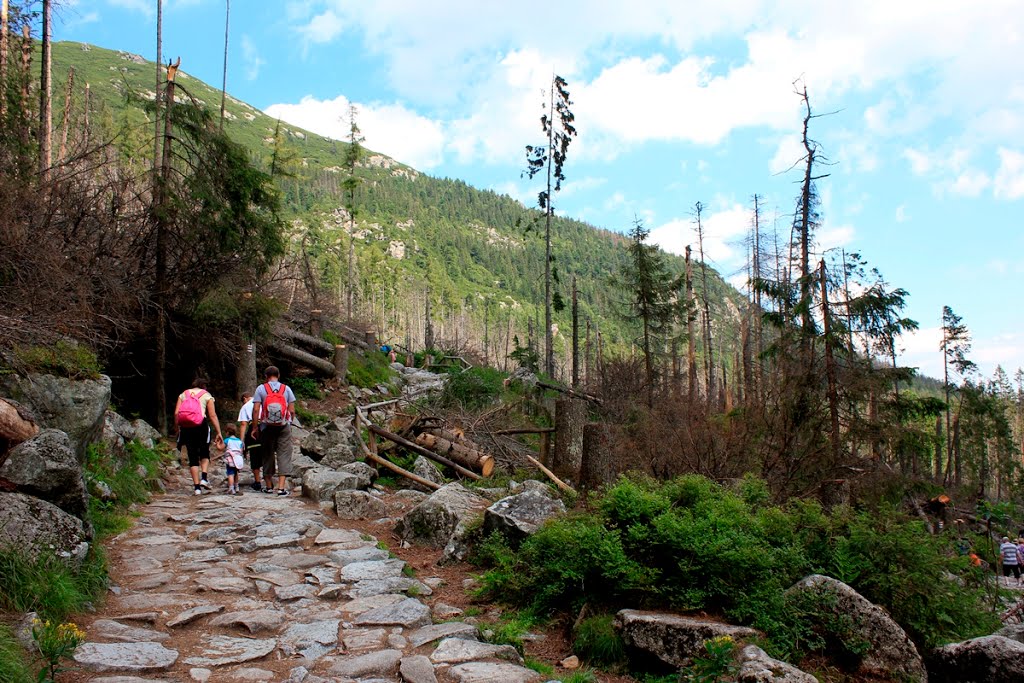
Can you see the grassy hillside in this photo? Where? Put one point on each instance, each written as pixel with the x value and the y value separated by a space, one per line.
pixel 416 233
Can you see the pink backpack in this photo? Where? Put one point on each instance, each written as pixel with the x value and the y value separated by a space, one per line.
pixel 190 412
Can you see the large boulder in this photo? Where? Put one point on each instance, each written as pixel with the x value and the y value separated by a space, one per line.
pixel 838 612
pixel 76 407
pixel 45 466
pixel 332 444
pixel 757 667
pixel 523 514
pixel 145 433
pixel 673 639
pixel 320 483
pixel 991 659
pixel 32 525
pixel 358 505
pixel 425 469
pixel 117 432
pixel 444 520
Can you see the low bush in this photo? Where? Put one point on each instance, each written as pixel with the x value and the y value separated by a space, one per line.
pixel 596 642
pixel 63 359
pixel 472 389
pixel 50 585
pixel 692 544
pixel 308 418
pixel 306 387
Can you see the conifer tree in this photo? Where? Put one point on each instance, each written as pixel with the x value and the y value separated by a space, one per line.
pixel 353 153
pixel 955 345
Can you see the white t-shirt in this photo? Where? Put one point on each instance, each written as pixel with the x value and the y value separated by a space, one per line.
pixel 245 414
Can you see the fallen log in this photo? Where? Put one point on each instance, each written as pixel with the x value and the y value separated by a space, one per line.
pixel 454 434
pixel 302 357
pixel 384 462
pixel 550 475
pixel 570 392
pixel 416 448
pixel 458 452
pixel 303 338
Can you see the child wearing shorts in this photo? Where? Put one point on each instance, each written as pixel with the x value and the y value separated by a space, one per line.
pixel 234 458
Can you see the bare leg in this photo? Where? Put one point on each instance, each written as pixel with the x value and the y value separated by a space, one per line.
pixel 195 475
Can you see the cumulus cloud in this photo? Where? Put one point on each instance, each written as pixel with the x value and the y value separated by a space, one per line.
pixel 322 28
pixel 723 229
pixel 251 58
pixel 1009 181
pixel 388 128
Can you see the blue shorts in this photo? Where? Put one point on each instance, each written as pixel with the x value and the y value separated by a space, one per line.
pixel 232 471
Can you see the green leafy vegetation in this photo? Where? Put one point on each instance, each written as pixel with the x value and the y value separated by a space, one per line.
pixel 110 517
pixel 596 642
pixel 13 659
pixel 692 544
pixel 473 389
pixel 306 387
pixel 63 359
pixel 49 585
pixel 367 370
pixel 308 418
pixel 716 664
pixel 510 629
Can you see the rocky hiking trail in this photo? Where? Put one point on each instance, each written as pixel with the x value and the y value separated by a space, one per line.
pixel 266 588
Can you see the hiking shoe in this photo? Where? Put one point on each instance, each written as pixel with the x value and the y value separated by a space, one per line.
pixel 268 490
pixel 197 492
pixel 256 486
pixel 238 492
pixel 205 484
pixel 282 492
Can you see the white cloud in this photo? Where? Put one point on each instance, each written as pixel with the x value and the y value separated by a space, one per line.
pixel 142 6
pixel 970 183
pixel 323 28
pixel 722 230
pixel 788 153
pixel 920 349
pixel 1009 181
pixel 388 128
pixel 833 237
pixel 252 58
pixel 901 214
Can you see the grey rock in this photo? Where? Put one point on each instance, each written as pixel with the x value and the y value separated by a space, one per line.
pixel 534 486
pixel 417 669
pixel 331 591
pixel 409 496
pixel 190 615
pixel 312 640
pixel 127 657
pixel 409 613
pixel 101 489
pixel 990 659
pixel 443 518
pixel 252 674
pixel 365 604
pixel 443 610
pixel 344 536
pixel 358 505
pixel 381 662
pixel 453 629
pixel 116 432
pixel 33 524
pixel 199 674
pixel 363 639
pixel 1012 631
pixel 671 638
pixel 145 433
pixel 525 376
pixel 521 515
pixel 296 592
pixel 757 667
pixel 264 543
pixel 320 484
pixel 74 406
pixel 372 569
pixel 425 469
pixel 397 641
pixel 108 629
pixel 458 650
pixel 227 584
pixel 209 555
pixel 46 467
pixel 255 621
pixel 492 672
pixel 332 441
pixel 224 650
pixel 365 554
pixel 360 469
pixel 393 584
pixel 298 674
pixel 890 649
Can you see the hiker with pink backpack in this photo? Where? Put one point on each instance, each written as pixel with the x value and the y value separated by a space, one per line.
pixel 273 408
pixel 194 414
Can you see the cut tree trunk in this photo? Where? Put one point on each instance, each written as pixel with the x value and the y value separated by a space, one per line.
pixel 245 372
pixel 312 362
pixel 570 417
pixel 599 466
pixel 461 454
pixel 14 427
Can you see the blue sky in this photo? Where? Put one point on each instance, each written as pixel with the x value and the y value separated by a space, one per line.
pixel 676 102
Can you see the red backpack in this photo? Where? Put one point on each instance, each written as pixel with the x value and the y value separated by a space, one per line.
pixel 274 410
pixel 190 411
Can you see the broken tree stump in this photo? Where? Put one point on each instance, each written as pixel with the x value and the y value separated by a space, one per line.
pixel 570 417
pixel 341 363
pixel 599 466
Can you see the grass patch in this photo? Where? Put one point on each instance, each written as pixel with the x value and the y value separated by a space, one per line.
pixel 580 676
pixel 49 585
pixel 63 359
pixel 543 668
pixel 510 629
pixel 110 518
pixel 306 387
pixel 13 659
pixel 367 370
pixel 308 418
pixel 597 643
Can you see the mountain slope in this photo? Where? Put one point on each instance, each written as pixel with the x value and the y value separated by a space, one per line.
pixel 417 236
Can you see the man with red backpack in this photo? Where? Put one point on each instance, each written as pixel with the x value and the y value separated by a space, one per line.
pixel 273 407
pixel 194 413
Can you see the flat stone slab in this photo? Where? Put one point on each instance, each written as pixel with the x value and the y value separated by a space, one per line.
pixel 224 650
pixel 458 650
pixel 373 569
pixel 417 669
pixel 130 657
pixel 151 581
pixel 360 605
pixel 312 640
pixel 364 554
pixel 381 662
pixel 255 621
pixel 409 613
pixel 392 584
pixel 278 577
pixel 190 615
pixel 226 584
pixel 492 672
pixel 139 565
pixel 452 629
pixel 340 536
pixel 362 639
pixel 107 629
pixel 265 543
pixel 297 592
pixel 203 555
pixel 251 674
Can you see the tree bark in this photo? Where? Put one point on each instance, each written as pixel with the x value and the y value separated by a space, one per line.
pixel 46 96
pixel 691 338
pixel 830 370
pixel 4 30
pixel 13 427
pixel 460 453
pixel 224 82
pixel 245 371
pixel 575 335
pixel 599 465
pixel 341 364
pixel 66 123
pixel 325 367
pixel 159 86
pixel 570 418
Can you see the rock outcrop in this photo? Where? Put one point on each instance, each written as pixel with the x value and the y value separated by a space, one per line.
pixel 444 519
pixel 76 407
pixel 523 514
pixel 991 659
pixel 358 505
pixel 757 667
pixel 32 524
pixel 331 444
pixel 422 467
pixel 888 649
pixel 320 483
pixel 45 466
pixel 673 639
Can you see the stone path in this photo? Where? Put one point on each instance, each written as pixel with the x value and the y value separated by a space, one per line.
pixel 262 588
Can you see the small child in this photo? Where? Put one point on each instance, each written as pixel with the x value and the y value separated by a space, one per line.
pixel 234 458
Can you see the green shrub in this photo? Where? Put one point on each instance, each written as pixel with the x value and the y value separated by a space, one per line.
pixel 14 661
pixel 48 584
pixel 367 370
pixel 472 389
pixel 580 676
pixel 308 418
pixel 111 517
pixel 510 629
pixel 597 643
pixel 63 359
pixel 306 387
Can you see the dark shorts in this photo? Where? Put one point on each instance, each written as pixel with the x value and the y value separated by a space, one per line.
pixel 1011 569
pixel 196 441
pixel 252 447
pixel 232 471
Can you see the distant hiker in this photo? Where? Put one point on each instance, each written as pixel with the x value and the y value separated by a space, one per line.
pixel 1008 552
pixel 392 356
pixel 252 445
pixel 234 458
pixel 194 415
pixel 273 408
